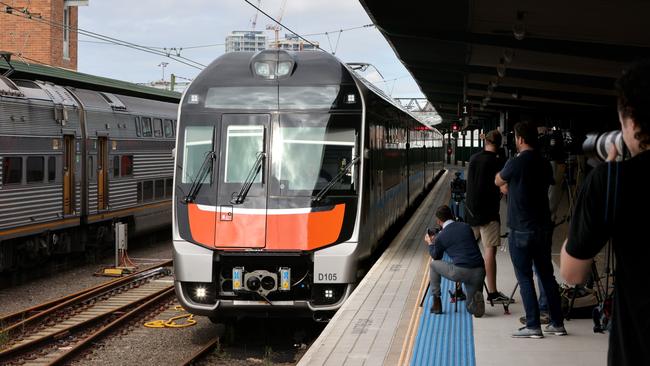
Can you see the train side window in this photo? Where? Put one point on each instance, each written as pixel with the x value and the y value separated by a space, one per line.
pixel 91 167
pixel 116 166
pixel 146 127
pixel 12 170
pixel 35 169
pixel 147 191
pixel 169 186
pixel 127 165
pixel 160 189
pixel 169 128
pixel 139 192
pixel 138 127
pixel 51 169
pixel 157 127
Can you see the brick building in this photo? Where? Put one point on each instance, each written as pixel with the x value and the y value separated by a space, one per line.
pixel 42 39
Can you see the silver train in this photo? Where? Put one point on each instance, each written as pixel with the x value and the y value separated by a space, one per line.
pixel 289 170
pixel 74 161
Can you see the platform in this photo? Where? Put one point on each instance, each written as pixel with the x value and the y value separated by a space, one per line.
pixel 383 324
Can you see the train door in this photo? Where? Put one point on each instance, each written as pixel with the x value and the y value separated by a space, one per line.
pixel 102 173
pixel 243 181
pixel 68 174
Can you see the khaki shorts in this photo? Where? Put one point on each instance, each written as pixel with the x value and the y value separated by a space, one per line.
pixel 489 234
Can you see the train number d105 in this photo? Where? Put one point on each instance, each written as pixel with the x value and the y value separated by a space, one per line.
pixel 326 277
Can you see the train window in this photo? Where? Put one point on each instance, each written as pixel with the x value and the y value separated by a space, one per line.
pixel 116 166
pixel 308 97
pixel 198 142
pixel 242 146
pixel 127 165
pixel 230 97
pixel 169 128
pixel 159 190
pixel 12 170
pixel 138 192
pixel 169 186
pixel 147 190
pixel 35 169
pixel 157 127
pixel 310 157
pixel 138 127
pixel 146 127
pixel 51 168
pixel 91 167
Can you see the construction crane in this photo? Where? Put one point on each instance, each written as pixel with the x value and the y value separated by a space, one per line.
pixel 276 27
pixel 254 18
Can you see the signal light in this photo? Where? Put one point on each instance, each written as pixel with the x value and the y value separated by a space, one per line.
pixel 454 127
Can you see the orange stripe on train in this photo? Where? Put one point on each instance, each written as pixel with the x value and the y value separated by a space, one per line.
pixel 284 230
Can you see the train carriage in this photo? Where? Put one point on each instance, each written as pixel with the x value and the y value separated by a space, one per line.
pixel 289 169
pixel 74 161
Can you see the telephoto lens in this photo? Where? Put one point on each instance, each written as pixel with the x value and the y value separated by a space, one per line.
pixel 597 145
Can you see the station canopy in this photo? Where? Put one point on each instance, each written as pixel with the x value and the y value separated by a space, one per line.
pixel 539 57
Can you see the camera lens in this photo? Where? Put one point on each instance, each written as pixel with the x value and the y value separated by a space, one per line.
pixel 596 145
pixel 253 283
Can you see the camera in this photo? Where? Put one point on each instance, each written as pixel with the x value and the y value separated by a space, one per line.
pixel 432 232
pixel 458 188
pixel 557 145
pixel 596 145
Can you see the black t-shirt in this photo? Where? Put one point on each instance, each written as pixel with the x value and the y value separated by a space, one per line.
pixel 483 196
pixel 528 175
pixel 626 223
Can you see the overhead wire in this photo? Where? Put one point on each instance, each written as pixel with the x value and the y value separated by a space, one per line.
pixel 25 14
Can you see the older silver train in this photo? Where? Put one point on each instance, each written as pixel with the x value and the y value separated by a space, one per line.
pixel 74 161
pixel 289 169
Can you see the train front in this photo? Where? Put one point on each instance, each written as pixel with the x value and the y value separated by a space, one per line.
pixel 267 179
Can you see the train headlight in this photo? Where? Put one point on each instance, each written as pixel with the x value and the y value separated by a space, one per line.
pixel 329 293
pixel 263 69
pixel 284 68
pixel 253 283
pixel 200 292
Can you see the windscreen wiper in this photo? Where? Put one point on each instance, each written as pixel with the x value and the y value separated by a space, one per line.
pixel 331 183
pixel 200 176
pixel 248 182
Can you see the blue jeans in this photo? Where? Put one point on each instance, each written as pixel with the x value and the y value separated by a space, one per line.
pixel 528 248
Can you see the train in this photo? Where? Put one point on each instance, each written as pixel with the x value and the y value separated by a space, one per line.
pixel 74 162
pixel 289 169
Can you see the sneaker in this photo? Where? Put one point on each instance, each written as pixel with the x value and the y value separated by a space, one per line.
pixel 544 318
pixel 436 308
pixel 478 304
pixel 524 332
pixel 499 298
pixel 552 329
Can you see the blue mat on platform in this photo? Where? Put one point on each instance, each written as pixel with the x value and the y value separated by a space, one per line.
pixel 447 338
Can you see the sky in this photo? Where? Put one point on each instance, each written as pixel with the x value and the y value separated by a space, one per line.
pixel 186 23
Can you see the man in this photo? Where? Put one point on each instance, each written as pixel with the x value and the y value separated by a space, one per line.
pixel 482 208
pixel 625 223
pixel 528 177
pixel 457 240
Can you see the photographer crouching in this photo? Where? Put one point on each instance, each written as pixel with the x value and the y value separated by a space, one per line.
pixel 613 203
pixel 466 266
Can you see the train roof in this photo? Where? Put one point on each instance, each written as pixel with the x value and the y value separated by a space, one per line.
pixel 57 75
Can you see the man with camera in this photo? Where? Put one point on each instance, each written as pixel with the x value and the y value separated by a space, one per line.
pixel 528 177
pixel 482 208
pixel 466 266
pixel 613 203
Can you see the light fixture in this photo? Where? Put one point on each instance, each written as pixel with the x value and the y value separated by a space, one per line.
pixel 329 293
pixel 263 69
pixel 508 54
pixel 516 94
pixel 501 68
pixel 200 292
pixel 284 68
pixel 519 28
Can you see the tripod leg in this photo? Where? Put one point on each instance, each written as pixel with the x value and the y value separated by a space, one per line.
pixel 424 296
pixel 488 293
pixel 506 305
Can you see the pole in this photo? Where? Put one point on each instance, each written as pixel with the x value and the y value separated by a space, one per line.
pixel 172 82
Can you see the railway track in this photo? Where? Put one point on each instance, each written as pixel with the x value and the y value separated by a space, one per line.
pixel 62 328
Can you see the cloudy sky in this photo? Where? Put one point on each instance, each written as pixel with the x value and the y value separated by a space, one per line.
pixel 187 23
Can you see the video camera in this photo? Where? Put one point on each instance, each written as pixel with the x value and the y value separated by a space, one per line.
pixel 433 232
pixel 557 145
pixel 458 188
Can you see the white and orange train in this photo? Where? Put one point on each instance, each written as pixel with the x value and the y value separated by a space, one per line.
pixel 289 170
